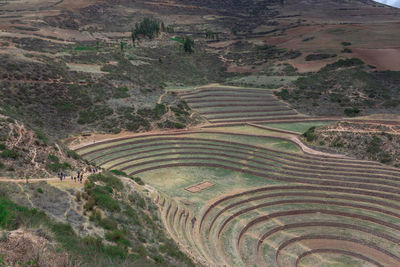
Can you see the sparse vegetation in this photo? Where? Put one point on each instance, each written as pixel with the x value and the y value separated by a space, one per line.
pixel 345 87
pixel 10 154
pixel 313 57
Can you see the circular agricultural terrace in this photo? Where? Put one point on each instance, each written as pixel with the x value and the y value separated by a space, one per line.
pixel 244 196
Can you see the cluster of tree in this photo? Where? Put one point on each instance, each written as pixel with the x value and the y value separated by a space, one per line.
pixel 211 35
pixel 149 28
pixel 188 45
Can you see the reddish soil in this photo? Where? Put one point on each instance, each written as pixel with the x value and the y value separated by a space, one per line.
pixel 383 59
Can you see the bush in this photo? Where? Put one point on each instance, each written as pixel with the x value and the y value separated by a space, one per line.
pixel 121 92
pixel 310 134
pixel 108 179
pixel 374 147
pixel 283 94
pixel 92 241
pixel 94 114
pixel 155 113
pixel 347 50
pixel 351 112
pixel 78 196
pixel 2 146
pixel 171 125
pixel 55 167
pixel 108 224
pixel 73 154
pixel 313 57
pixel 41 136
pixel 40 190
pixel 337 142
pixel 115 251
pixel 188 45
pixel 343 63
pixel 147 28
pixel 54 158
pixel 138 180
pixel 10 154
pixel 385 157
pixel 136 122
pixel 2 165
pixel 90 204
pixel 346 43
pixel 95 216
pixel 118 172
pixel 102 198
pixel 84 48
pixel 117 236
pixel 13 216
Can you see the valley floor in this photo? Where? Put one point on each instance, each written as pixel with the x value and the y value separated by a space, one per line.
pixel 244 190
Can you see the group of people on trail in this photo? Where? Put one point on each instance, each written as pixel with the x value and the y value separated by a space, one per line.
pixel 61 175
pixel 79 174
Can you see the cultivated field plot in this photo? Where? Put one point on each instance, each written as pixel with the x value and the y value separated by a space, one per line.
pixel 232 105
pixel 199 187
pixel 266 206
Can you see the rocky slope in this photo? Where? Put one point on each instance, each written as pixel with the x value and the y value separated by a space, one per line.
pixel 370 141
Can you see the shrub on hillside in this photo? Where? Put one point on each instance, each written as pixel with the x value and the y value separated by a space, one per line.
pixel 352 112
pixel 310 134
pixel 313 57
pixel 118 172
pixel 121 92
pixel 53 158
pixel 73 154
pixel 343 63
pixel 117 236
pixel 10 154
pixel 374 147
pixel 57 166
pixel 94 114
pixel 138 180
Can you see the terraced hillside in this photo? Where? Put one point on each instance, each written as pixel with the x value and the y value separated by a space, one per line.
pixel 233 105
pixel 248 196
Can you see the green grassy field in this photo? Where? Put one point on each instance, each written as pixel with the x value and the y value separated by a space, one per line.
pixel 299 127
pixel 263 188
